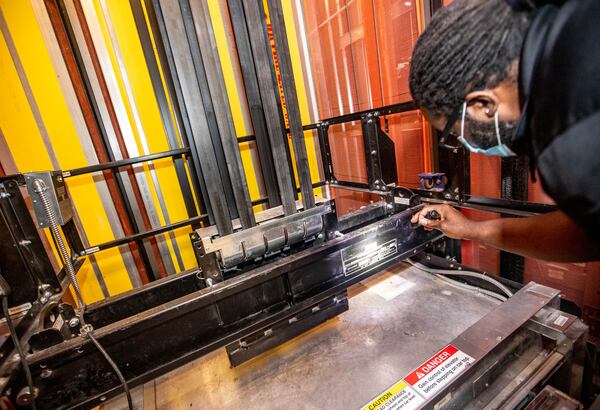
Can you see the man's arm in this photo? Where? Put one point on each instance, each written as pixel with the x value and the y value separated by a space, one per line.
pixel 553 236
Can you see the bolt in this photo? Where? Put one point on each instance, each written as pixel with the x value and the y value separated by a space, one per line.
pixel 25 242
pixel 374 152
pixel 390 206
pixel 320 236
pixel 73 322
pixel 4 195
pixel 46 373
pixel 498 338
pixel 103 398
pixel 370 121
pixel 59 179
pixel 26 396
pixel 43 300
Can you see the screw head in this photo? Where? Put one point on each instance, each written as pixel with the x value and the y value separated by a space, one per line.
pixel 73 322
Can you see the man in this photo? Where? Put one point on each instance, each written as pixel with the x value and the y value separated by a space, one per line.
pixel 520 79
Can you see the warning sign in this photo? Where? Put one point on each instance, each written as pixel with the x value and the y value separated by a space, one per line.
pixel 399 396
pixel 438 371
pixel 422 384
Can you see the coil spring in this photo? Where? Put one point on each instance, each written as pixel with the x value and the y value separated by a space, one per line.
pixel 41 189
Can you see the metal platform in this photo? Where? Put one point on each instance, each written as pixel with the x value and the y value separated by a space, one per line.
pixel 397 319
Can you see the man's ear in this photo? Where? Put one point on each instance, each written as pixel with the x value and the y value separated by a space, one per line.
pixel 482 105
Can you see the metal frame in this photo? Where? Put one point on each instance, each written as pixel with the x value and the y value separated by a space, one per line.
pixel 170 322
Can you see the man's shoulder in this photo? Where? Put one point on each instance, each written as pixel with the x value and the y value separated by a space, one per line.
pixel 565 87
pixel 533 4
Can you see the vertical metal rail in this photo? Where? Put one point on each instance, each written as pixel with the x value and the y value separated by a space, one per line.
pixel 291 101
pixel 165 54
pixel 161 98
pixel 259 41
pixel 208 105
pixel 192 99
pixel 218 92
pixel 81 84
pixel 255 105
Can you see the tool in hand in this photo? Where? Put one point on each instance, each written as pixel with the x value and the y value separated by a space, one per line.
pixel 433 216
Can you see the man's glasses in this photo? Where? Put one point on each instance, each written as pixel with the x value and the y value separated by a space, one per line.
pixel 448 139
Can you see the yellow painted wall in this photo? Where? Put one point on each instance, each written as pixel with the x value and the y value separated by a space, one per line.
pixel 24 135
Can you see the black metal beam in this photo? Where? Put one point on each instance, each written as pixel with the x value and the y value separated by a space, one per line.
pixel 163 104
pixel 291 101
pixel 270 98
pixel 125 162
pixel 164 337
pixel 142 235
pixel 222 175
pixel 156 20
pixel 218 93
pixel 204 133
pixel 255 105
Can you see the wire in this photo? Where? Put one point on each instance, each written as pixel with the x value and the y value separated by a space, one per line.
pixel 475 289
pixel 17 343
pixel 115 368
pixel 472 274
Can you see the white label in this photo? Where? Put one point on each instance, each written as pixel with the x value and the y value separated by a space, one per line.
pixel 392 287
pixel 561 320
pixel 437 372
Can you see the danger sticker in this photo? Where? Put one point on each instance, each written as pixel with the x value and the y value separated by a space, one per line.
pixel 399 396
pixel 438 371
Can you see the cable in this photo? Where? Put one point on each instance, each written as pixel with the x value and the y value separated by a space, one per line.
pixel 477 275
pixel 475 289
pixel 86 330
pixel 115 368
pixel 17 343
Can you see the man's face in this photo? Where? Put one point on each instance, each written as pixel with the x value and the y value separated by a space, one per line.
pixel 482 108
pixel 481 134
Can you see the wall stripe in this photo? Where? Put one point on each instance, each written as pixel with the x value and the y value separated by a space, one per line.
pixel 140 132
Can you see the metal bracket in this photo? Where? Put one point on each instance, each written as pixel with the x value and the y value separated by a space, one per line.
pixel 269 237
pixel 380 153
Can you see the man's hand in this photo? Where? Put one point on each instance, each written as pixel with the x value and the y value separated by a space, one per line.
pixel 452 223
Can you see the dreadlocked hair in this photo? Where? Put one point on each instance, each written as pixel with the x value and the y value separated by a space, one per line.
pixel 469 45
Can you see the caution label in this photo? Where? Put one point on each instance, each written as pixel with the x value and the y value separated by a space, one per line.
pixel 438 371
pixel 399 396
pixel 422 384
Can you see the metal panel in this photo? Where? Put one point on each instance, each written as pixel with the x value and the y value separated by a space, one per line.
pixel 163 105
pixel 171 78
pixel 291 102
pixel 193 101
pixel 240 30
pixel 259 41
pixel 270 236
pixel 218 92
pixel 208 105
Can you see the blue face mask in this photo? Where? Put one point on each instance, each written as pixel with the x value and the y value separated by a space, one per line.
pixel 500 150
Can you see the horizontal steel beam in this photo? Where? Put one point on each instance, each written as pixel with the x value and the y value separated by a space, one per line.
pixel 125 162
pixel 143 235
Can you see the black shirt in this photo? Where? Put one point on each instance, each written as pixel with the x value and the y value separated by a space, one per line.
pixel 559 84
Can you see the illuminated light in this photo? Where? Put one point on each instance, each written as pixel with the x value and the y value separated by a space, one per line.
pixel 371 247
